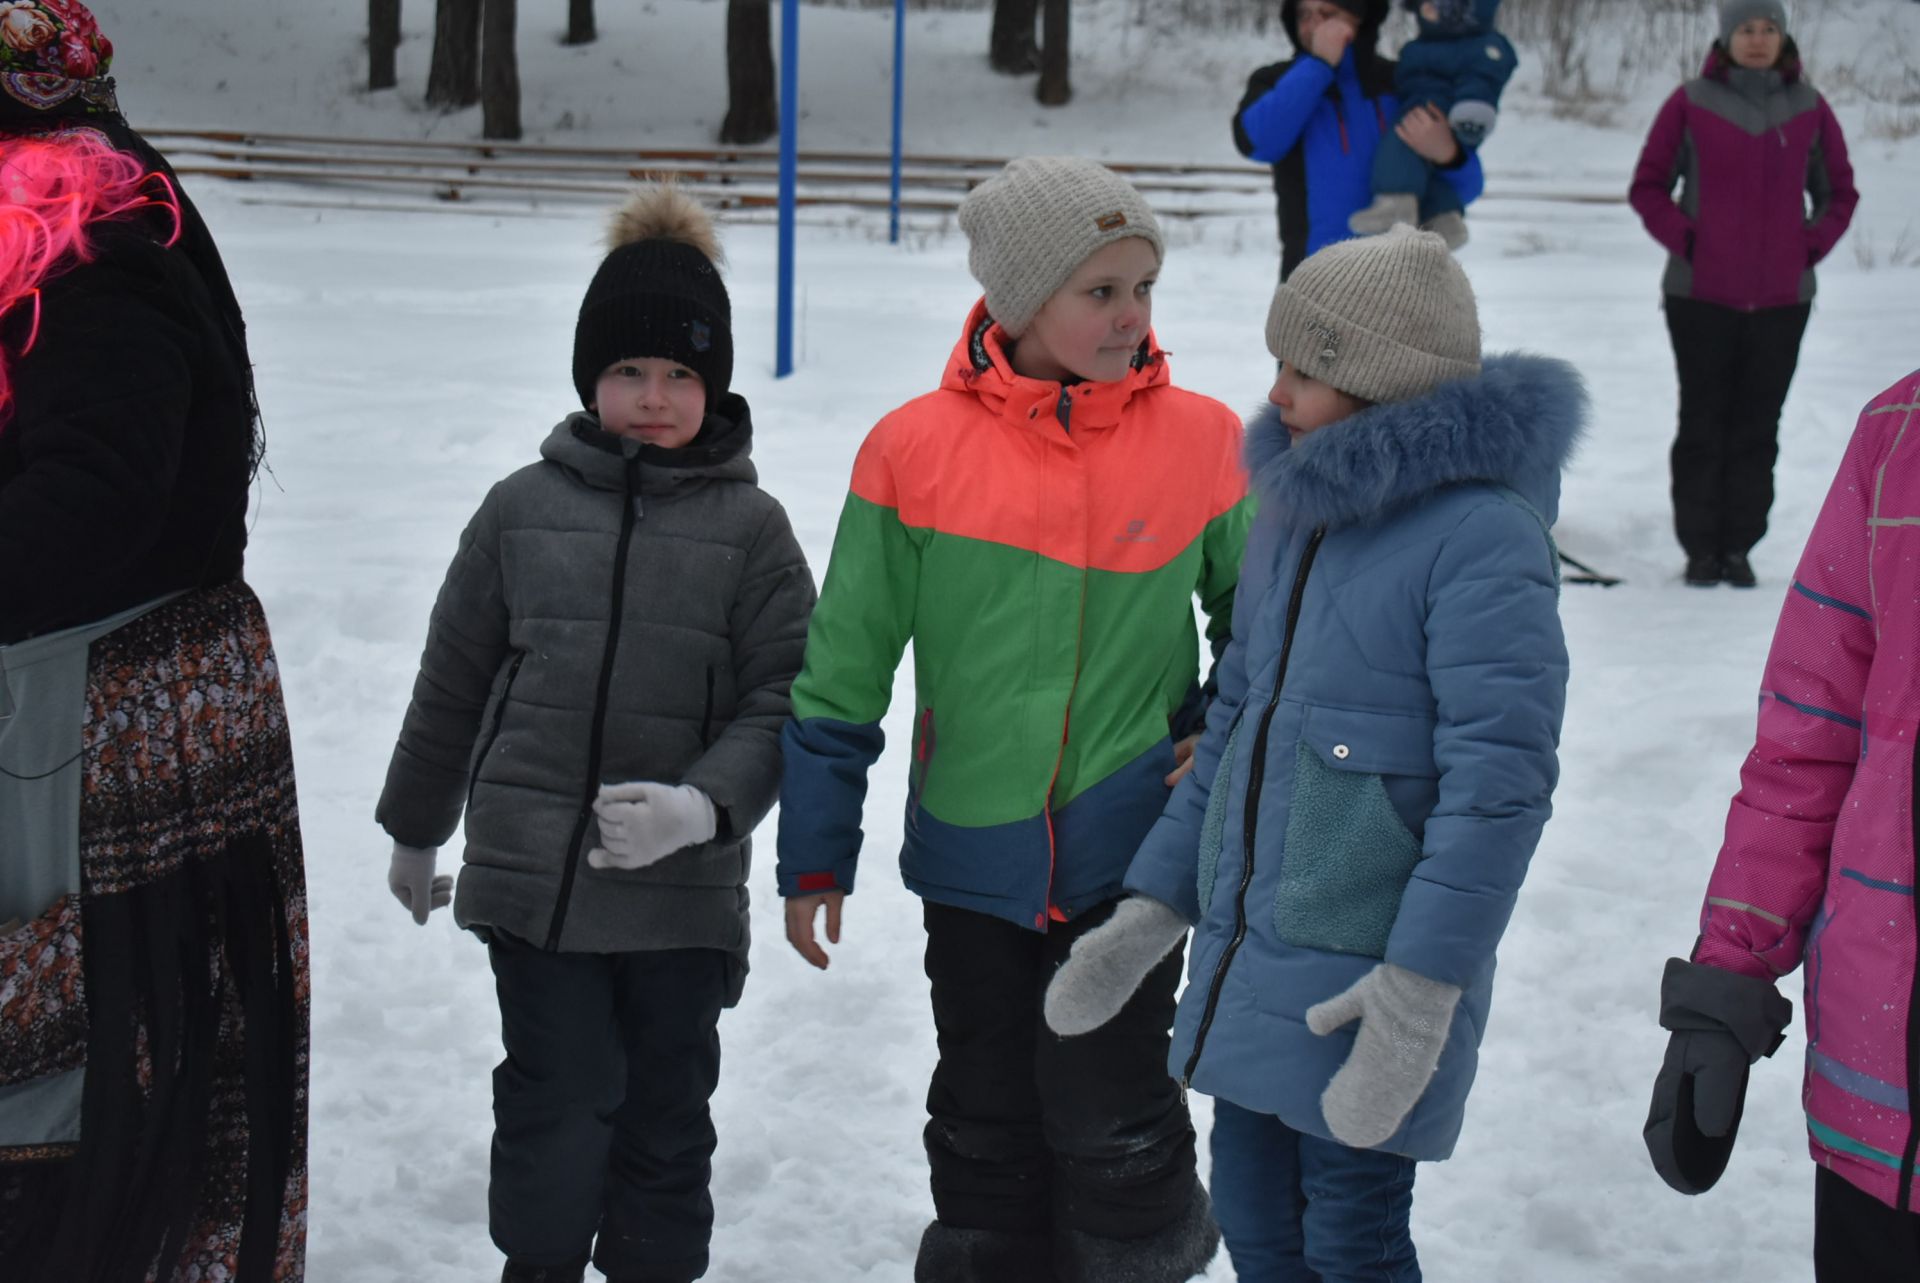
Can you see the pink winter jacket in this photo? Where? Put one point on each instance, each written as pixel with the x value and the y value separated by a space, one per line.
pixel 1818 865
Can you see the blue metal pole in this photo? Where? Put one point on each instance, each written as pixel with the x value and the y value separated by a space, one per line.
pixel 789 168
pixel 899 81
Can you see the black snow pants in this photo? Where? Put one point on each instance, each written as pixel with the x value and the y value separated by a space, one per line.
pixel 1734 369
pixel 1029 1133
pixel 602 1139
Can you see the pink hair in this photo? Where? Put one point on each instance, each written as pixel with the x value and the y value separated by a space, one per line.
pixel 53 189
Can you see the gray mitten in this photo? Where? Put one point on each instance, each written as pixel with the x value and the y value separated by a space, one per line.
pixel 644 822
pixel 410 878
pixel 1722 1023
pixel 1404 1018
pixel 1472 121
pixel 1108 963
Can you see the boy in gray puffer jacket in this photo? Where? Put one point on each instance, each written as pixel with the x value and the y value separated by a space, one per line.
pixel 604 682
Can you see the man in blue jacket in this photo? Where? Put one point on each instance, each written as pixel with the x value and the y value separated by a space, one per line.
pixel 1318 118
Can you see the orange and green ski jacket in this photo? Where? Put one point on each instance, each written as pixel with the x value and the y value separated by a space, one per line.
pixel 1040 545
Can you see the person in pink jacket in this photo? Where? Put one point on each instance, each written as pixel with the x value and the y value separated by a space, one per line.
pixel 1818 869
pixel 1765 193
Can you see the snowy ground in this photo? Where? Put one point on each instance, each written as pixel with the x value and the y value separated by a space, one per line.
pixel 407 360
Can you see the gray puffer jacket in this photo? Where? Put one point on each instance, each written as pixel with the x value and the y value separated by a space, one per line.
pixel 615 612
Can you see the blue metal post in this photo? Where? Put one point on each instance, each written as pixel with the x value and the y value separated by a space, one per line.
pixel 899 81
pixel 789 167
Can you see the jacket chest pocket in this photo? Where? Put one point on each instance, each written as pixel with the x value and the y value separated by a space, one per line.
pixel 1349 855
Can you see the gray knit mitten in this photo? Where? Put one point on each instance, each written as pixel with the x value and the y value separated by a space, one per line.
pixel 1387 209
pixel 1404 1018
pixel 1108 963
pixel 410 878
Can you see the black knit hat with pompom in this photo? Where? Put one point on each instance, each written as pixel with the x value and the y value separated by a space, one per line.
pixel 658 294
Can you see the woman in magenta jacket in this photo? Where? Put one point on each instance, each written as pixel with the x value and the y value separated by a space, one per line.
pixel 1765 192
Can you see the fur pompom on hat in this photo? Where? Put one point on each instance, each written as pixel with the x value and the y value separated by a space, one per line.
pixel 1031 225
pixel 1735 12
pixel 1382 318
pixel 658 293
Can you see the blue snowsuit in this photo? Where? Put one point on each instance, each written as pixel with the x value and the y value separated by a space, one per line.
pixel 1459 58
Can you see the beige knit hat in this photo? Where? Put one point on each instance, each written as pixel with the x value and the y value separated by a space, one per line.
pixel 1030 226
pixel 1383 318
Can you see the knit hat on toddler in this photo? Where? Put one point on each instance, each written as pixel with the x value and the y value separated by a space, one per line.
pixel 1735 12
pixel 1382 318
pixel 1030 226
pixel 658 293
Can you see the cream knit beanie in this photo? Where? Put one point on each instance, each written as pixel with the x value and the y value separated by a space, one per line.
pixel 1383 318
pixel 1030 226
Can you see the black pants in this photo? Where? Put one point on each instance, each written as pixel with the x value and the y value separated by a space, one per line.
pixel 1734 368
pixel 600 1122
pixel 1029 1132
pixel 1859 1239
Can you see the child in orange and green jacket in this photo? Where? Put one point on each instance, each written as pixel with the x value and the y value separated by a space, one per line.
pixel 1038 529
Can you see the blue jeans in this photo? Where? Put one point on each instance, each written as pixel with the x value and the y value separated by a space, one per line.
pixel 1295 1208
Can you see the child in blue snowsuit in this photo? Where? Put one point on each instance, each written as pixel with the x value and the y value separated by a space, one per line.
pixel 1459 64
pixel 1376 768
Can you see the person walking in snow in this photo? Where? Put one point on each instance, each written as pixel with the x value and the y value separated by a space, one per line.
pixel 1458 65
pixel 605 677
pixel 1320 117
pixel 1765 192
pixel 1817 868
pixel 153 910
pixel 1038 529
pixel 1375 771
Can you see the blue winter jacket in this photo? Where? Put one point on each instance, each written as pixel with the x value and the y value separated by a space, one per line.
pixel 1378 763
pixel 1464 60
pixel 1318 126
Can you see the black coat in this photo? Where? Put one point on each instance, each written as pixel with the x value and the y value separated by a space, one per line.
pixel 126 461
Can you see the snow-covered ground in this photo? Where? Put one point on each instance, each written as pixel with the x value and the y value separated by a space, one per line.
pixel 407 360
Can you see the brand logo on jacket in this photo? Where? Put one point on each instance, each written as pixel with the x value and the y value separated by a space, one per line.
pixel 1136 533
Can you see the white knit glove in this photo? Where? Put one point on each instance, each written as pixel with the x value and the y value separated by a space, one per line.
pixel 410 878
pixel 644 822
pixel 1404 1018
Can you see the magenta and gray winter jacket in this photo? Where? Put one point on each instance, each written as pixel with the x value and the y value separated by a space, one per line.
pixel 1748 148
pixel 1818 866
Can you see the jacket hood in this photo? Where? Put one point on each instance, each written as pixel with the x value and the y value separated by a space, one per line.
pixel 1365 39
pixel 1514 425
pixel 1459 17
pixel 599 459
pixel 1719 65
pixel 980 367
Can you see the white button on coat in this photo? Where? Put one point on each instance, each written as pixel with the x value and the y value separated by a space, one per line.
pixel 1340 751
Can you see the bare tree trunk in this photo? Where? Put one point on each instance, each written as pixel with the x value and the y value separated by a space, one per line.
pixel 383 39
pixel 1010 49
pixel 752 114
pixel 1055 19
pixel 454 78
pixel 499 70
pixel 580 29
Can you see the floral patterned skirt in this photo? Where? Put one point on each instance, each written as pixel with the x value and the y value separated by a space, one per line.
pixel 177 976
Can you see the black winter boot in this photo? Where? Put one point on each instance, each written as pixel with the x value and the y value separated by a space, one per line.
pixel 952 1255
pixel 1704 571
pixel 1171 1255
pixel 521 1272
pixel 1737 570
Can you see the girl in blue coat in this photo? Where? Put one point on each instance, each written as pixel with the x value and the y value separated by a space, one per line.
pixel 1376 768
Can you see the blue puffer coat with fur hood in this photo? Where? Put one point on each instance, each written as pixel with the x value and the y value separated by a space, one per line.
pixel 1379 762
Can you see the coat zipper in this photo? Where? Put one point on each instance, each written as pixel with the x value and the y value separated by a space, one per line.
pixel 493 732
pixel 1903 1201
pixel 627 505
pixel 1257 767
pixel 1064 412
